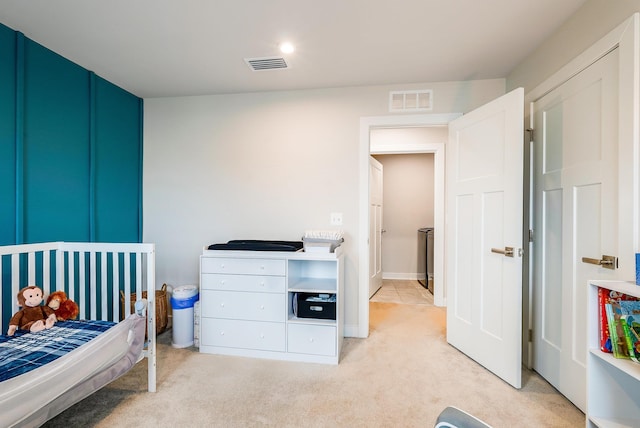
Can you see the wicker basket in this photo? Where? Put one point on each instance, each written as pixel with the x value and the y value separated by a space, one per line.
pixel 162 316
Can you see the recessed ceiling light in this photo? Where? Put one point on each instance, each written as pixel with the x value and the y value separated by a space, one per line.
pixel 286 48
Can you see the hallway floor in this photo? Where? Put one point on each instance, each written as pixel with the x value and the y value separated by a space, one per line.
pixel 402 291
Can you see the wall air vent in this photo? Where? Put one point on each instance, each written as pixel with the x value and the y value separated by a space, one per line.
pixel 269 63
pixel 410 101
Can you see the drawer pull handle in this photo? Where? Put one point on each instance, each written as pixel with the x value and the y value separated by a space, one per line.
pixel 261 306
pixel 222 333
pixel 261 335
pixel 222 305
pixel 262 267
pixel 222 266
pixel 311 339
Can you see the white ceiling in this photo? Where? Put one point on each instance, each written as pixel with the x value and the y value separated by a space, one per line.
pixel 156 48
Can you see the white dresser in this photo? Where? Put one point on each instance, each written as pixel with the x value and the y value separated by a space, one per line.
pixel 247 304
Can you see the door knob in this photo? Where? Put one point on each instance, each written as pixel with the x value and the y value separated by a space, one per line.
pixel 507 252
pixel 607 262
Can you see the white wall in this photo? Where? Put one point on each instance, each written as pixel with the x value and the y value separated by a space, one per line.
pixel 590 23
pixel 265 166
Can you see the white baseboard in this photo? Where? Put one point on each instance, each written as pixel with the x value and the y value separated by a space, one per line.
pixel 401 276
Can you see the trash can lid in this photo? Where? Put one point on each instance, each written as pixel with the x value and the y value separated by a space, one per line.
pixel 184 291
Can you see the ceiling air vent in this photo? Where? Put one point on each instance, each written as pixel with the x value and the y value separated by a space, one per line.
pixel 410 101
pixel 263 64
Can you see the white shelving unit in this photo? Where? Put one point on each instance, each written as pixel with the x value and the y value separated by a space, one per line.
pixel 247 304
pixel 613 384
pixel 317 336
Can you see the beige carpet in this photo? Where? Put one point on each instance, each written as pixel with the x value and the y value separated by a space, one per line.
pixel 403 375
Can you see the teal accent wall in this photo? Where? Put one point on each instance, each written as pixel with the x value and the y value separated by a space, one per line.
pixel 70 153
pixel 117 153
pixel 56 147
pixel 7 135
pixel 70 150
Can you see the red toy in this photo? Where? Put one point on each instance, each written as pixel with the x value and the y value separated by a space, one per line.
pixel 64 308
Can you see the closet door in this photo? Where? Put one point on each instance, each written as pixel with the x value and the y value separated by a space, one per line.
pixel 375 225
pixel 577 170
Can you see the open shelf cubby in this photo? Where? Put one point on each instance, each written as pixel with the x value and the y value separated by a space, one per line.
pixel 612 383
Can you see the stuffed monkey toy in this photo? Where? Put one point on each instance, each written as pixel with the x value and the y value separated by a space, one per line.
pixel 33 316
pixel 64 308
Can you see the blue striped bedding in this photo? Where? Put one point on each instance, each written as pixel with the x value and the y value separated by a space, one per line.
pixel 25 351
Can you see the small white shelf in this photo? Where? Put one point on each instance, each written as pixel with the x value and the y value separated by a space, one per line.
pixel 630 368
pixel 625 287
pixel 313 285
pixel 316 321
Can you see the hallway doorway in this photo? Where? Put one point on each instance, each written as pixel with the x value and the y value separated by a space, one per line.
pixel 366 149
pixel 408 207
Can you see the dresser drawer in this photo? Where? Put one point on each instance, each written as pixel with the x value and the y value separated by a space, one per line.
pixel 266 336
pixel 243 306
pixel 243 266
pixel 267 284
pixel 311 339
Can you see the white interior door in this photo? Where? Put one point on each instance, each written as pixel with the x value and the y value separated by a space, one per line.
pixel 375 225
pixel 576 215
pixel 484 215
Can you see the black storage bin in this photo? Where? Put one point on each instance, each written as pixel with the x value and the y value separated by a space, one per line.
pixel 314 305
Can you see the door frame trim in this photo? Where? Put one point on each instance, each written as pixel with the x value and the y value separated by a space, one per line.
pixel 405 121
pixel 615 38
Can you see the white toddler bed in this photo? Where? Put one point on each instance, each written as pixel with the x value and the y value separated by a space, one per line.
pixel 93 275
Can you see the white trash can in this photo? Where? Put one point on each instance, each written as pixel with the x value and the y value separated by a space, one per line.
pixel 183 298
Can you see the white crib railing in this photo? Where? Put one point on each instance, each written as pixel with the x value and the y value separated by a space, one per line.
pixel 91 274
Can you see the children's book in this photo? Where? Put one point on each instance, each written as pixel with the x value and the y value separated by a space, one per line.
pixel 616 331
pixel 631 337
pixel 605 341
pixel 630 319
pixel 630 307
pixel 608 296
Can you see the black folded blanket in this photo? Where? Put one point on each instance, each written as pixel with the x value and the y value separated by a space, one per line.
pixel 258 245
